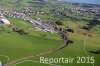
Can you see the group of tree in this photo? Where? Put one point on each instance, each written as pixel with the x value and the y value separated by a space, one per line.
pixel 94 22
pixel 59 22
pixel 64 30
pixel 91 24
pixel 20 31
pixel 64 36
pixel 86 27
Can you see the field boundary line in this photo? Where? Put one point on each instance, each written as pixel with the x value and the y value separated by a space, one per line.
pixel 5 57
pixel 85 48
pixel 34 61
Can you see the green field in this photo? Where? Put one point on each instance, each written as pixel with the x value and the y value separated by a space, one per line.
pixel 75 50
pixel 16 46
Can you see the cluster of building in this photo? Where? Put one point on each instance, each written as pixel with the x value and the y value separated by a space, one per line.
pixel 29 11
pixel 38 23
pixel 43 26
pixel 86 11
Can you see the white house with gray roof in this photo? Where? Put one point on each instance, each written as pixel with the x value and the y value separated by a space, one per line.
pixel 3 20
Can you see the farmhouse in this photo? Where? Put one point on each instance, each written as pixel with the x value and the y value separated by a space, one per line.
pixel 3 20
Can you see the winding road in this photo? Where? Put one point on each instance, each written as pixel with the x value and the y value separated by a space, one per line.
pixel 35 55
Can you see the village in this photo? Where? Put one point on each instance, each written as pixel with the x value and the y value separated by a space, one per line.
pixel 38 23
pixel 85 11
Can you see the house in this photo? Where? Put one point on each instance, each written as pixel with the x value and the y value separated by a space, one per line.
pixel 3 20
